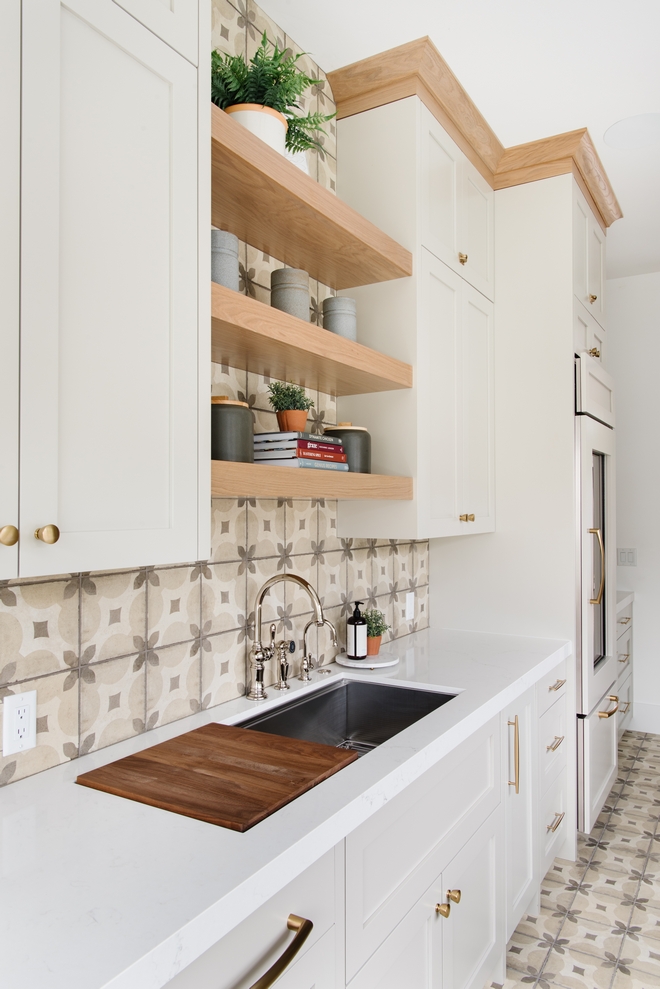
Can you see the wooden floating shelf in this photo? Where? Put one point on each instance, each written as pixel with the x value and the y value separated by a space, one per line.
pixel 234 480
pixel 266 201
pixel 254 337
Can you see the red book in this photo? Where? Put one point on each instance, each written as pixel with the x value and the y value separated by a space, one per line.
pixel 337 458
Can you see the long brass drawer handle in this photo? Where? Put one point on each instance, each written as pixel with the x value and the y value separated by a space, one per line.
pixel 599 536
pixel 555 745
pixel 626 657
pixel 608 714
pixel 557 685
pixel 557 821
pixel 303 929
pixel 625 708
pixel 624 621
pixel 516 753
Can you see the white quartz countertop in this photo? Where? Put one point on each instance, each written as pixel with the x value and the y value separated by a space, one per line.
pixel 98 891
pixel 623 599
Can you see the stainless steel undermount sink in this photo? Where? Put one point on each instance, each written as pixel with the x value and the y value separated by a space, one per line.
pixel 350 714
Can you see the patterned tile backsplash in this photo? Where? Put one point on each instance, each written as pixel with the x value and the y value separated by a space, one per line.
pixel 115 654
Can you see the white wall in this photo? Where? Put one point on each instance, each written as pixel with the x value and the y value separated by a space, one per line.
pixel 521 578
pixel 633 331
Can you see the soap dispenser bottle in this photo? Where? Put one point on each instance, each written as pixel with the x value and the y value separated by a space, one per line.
pixel 356 634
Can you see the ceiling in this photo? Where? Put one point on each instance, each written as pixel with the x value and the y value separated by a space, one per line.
pixel 534 68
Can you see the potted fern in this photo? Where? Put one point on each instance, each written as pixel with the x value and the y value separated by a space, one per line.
pixel 264 96
pixel 291 405
pixel 376 628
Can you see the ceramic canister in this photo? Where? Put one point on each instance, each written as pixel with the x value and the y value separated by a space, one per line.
pixel 224 259
pixel 289 291
pixel 232 435
pixel 357 445
pixel 339 316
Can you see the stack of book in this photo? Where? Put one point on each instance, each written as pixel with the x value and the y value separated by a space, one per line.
pixel 299 450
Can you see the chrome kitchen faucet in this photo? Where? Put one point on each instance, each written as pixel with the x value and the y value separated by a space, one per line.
pixel 260 654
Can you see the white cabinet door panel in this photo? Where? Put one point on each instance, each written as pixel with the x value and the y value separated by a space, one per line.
pixel 10 163
pixel 520 807
pixel 477 494
pixel 596 294
pixel 441 165
pixel 175 21
pixel 109 335
pixel 581 215
pixel 588 334
pixel 476 235
pixel 412 954
pixel 598 740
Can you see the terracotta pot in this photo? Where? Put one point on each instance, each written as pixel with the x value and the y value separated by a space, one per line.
pixel 268 124
pixel 292 421
pixel 373 644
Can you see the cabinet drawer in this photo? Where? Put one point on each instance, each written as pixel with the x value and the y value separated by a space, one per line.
pixel 551 688
pixel 625 695
pixel 553 821
pixel 552 743
pixel 243 955
pixel 624 652
pixel 392 857
pixel 623 619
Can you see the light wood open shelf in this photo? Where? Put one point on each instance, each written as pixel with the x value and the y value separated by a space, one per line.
pixel 233 480
pixel 252 336
pixel 266 201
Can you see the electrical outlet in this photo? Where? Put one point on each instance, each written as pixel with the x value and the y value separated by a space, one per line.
pixel 19 722
pixel 626 557
pixel 410 606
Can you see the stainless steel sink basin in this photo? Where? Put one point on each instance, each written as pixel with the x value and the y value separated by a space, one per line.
pixel 350 714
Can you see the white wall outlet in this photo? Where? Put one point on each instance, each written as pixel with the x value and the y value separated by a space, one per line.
pixel 626 557
pixel 410 606
pixel 19 722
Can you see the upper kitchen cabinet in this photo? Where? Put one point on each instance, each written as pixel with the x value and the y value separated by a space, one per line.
pixel 114 203
pixel 588 258
pixel 10 158
pixel 456 207
pixel 174 21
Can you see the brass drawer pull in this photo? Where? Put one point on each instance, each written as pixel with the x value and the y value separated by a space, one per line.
pixel 625 708
pixel 8 535
pixel 592 299
pixel 557 821
pixel 462 257
pixel 557 685
pixel 624 621
pixel 594 352
pixel 303 929
pixel 466 518
pixel 555 745
pixel 608 714
pixel 516 753
pixel 626 657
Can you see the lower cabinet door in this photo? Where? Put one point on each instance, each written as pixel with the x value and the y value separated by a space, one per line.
pixel 473 935
pixel 597 759
pixel 625 694
pixel 519 747
pixel 552 823
pixel 244 955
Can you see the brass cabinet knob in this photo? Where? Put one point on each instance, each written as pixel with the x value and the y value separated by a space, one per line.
pixel 462 257
pixel 594 352
pixel 466 518
pixel 444 909
pixel 454 895
pixel 592 299
pixel 8 535
pixel 47 534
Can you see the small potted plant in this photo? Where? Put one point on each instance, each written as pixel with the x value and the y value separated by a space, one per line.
pixel 291 405
pixel 376 628
pixel 264 96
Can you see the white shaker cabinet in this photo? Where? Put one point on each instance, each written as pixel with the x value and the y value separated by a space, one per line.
pixel 110 290
pixel 10 158
pixel 174 21
pixel 588 258
pixel 519 727
pixel 440 432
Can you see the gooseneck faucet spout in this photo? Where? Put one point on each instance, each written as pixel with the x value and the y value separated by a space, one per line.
pixel 260 653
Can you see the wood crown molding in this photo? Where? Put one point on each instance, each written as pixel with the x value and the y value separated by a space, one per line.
pixel 418 69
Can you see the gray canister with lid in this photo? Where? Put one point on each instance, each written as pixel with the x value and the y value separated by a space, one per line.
pixel 289 291
pixel 232 433
pixel 224 259
pixel 340 316
pixel 357 445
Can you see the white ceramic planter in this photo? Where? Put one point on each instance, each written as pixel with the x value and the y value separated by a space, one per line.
pixel 262 121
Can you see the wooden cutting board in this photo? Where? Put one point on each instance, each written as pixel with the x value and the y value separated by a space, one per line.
pixel 233 777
